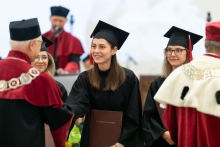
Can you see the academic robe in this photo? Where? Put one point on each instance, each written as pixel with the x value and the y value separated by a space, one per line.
pixel 63 91
pixel 191 95
pixel 66 50
pixel 127 99
pixel 28 99
pixel 152 123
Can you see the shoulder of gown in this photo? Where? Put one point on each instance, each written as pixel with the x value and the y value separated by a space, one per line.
pixel 63 91
pixel 130 75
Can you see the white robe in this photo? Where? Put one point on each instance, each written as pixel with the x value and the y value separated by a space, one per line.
pixel 202 76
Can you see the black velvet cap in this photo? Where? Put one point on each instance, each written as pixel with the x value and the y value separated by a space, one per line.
pixel 59 11
pixel 24 30
pixel 48 43
pixel 110 33
pixel 180 37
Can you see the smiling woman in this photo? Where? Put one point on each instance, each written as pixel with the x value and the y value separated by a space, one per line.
pixel 175 56
pixel 41 61
pixel 108 87
pixel 104 55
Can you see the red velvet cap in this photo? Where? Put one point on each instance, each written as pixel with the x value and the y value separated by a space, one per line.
pixel 212 30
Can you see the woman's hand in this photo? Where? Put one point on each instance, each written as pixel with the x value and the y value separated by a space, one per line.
pixel 118 144
pixel 166 136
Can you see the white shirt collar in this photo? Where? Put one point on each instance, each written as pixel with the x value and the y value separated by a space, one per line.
pixel 212 54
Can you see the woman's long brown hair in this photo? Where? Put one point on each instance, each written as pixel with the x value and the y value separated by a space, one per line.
pixel 115 78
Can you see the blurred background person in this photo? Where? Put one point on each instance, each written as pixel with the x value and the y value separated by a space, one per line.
pixel 177 53
pixel 66 49
pixel 86 63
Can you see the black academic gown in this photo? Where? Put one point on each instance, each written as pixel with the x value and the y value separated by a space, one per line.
pixel 63 91
pixel 127 99
pixel 152 123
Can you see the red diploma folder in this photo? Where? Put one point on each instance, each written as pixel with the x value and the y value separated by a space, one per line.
pixel 105 128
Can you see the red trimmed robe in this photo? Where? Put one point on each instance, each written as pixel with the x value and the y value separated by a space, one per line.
pixel 191 128
pixel 191 95
pixel 68 50
pixel 28 99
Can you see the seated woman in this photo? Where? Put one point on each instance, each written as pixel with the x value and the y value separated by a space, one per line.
pixel 177 53
pixel 44 62
pixel 108 87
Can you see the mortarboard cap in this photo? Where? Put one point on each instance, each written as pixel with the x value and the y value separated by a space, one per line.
pixel 47 44
pixel 59 11
pixel 24 30
pixel 110 33
pixel 181 37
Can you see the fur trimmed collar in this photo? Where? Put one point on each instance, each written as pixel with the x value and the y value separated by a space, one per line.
pixel 181 90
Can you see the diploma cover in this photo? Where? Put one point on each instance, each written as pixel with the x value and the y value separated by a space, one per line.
pixel 160 111
pixel 105 128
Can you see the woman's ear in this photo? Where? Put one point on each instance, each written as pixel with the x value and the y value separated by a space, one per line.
pixel 114 50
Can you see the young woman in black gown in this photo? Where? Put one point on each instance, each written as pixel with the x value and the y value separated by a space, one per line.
pixel 108 86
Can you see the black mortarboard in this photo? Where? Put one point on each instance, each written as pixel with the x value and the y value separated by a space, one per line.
pixel 110 33
pixel 24 30
pixel 59 11
pixel 47 44
pixel 181 37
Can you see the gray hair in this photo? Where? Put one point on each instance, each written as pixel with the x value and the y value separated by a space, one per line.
pixel 212 46
pixel 21 44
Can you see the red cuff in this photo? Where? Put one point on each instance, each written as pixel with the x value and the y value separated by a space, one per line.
pixel 61 134
pixel 71 66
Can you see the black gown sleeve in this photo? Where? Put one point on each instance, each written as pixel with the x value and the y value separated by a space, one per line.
pixel 152 124
pixel 60 120
pixel 63 91
pixel 78 98
pixel 131 132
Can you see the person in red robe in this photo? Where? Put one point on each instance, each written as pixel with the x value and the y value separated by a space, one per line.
pixel 29 98
pixel 66 49
pixel 191 95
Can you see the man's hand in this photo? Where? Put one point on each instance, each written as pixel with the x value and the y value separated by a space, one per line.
pixel 118 144
pixel 166 136
pixel 61 71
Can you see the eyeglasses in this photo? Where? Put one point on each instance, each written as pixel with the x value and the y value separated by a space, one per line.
pixel 43 58
pixel 177 51
pixel 42 43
